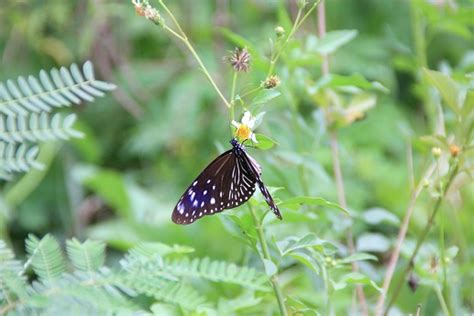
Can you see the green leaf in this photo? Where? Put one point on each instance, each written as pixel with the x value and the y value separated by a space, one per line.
pixel 355 81
pixel 296 202
pixel 358 257
pixel 446 86
pixel 291 244
pixel 379 215
pixel 264 142
pixel 468 106
pixel 264 96
pixel 354 278
pixel 307 260
pixel 373 242
pixel 331 41
pixel 270 267
pixel 87 256
pixel 45 257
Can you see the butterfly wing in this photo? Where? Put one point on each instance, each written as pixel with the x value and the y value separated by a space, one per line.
pixel 255 168
pixel 223 184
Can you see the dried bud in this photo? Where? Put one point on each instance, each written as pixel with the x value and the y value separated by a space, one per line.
pixel 279 31
pixel 301 4
pixel 271 82
pixel 413 282
pixel 436 151
pixel 454 149
pixel 143 8
pixel 240 59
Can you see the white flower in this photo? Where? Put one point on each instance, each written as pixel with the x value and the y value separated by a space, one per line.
pixel 248 123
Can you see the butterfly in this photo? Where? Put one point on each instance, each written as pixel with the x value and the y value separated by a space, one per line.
pixel 227 182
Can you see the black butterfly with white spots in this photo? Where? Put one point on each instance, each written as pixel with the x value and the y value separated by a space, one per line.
pixel 228 181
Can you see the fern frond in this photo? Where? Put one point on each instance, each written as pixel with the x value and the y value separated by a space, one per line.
pixel 45 257
pixel 80 293
pixel 88 256
pixel 178 293
pixel 12 280
pixel 17 158
pixel 219 271
pixel 59 88
pixel 37 128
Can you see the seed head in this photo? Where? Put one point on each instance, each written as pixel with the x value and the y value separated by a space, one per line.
pixel 240 59
pixel 271 82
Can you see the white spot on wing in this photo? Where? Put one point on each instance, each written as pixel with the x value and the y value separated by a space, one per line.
pixel 213 200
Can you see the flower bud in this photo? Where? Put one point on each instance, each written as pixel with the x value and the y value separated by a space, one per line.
pixel 279 31
pixel 301 3
pixel 436 151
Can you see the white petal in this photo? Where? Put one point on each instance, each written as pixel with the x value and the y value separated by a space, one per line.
pixel 246 118
pixel 235 124
pixel 253 137
pixel 258 120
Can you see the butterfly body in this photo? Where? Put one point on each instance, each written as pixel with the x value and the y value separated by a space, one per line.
pixel 227 182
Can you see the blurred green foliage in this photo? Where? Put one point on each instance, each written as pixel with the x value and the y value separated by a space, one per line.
pixel 145 143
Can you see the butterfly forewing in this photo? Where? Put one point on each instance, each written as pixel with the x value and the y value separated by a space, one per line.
pixel 224 184
pixel 227 182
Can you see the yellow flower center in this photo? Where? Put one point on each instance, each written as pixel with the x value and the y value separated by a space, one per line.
pixel 243 132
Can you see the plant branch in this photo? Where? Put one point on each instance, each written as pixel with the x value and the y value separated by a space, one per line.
pixel 337 165
pixel 296 25
pixel 266 256
pixel 452 173
pixel 401 237
pixel 182 36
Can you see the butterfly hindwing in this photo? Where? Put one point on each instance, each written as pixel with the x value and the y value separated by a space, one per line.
pixel 257 170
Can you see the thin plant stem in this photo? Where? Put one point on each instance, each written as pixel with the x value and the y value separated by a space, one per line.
pixel 401 237
pixel 442 301
pixel 232 97
pixel 266 256
pixel 182 36
pixel 337 165
pixel 422 236
pixel 296 25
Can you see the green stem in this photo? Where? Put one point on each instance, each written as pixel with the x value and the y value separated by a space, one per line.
pixel 266 256
pixel 232 97
pixel 22 188
pixel 422 237
pixel 182 36
pixel 442 301
pixel 298 22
